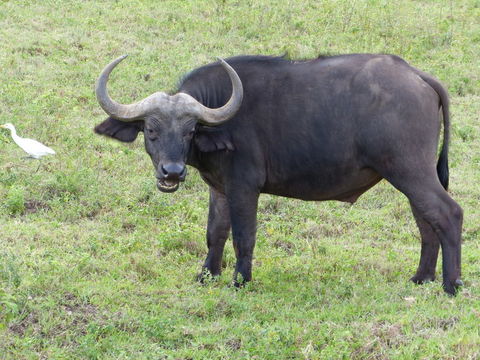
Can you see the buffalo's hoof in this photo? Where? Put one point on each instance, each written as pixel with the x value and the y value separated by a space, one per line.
pixel 206 276
pixel 422 279
pixel 451 287
pixel 239 284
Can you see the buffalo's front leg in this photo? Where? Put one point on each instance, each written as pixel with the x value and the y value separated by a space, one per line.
pixel 243 214
pixel 217 233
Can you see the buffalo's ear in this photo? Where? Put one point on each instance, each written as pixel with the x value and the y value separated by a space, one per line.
pixel 208 139
pixel 123 131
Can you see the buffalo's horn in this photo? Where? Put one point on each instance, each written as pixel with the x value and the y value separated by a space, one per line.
pixel 138 110
pixel 120 111
pixel 220 115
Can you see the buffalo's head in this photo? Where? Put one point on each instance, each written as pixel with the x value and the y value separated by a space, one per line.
pixel 168 123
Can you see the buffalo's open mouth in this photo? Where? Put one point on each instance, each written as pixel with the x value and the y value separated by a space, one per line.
pixel 166 185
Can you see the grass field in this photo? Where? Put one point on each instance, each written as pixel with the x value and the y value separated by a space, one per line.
pixel 95 263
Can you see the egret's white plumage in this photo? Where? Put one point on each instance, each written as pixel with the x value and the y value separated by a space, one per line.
pixel 32 147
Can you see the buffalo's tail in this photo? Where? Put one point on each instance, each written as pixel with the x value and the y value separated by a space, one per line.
pixel 442 164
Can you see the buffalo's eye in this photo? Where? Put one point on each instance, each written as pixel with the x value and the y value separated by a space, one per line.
pixel 151 134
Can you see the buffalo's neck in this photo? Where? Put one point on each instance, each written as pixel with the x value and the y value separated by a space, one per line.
pixel 210 165
pixel 193 158
pixel 201 161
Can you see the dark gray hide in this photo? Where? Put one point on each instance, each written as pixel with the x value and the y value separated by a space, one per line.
pixel 324 129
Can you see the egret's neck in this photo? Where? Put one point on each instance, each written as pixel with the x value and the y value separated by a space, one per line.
pixel 14 134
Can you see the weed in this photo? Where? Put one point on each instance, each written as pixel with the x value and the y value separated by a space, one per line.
pixel 15 201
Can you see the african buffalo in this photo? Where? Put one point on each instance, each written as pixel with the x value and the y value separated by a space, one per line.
pixel 322 129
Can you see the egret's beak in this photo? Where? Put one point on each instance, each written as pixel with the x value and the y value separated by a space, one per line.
pixel 2 126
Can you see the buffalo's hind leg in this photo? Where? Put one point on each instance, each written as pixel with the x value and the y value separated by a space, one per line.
pixel 434 206
pixel 445 216
pixel 218 229
pixel 429 253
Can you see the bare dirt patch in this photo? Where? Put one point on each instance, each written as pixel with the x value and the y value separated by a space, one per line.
pixel 234 344
pixel 29 321
pixel 32 206
pixel 285 246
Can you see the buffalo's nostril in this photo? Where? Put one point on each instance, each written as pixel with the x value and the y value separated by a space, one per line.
pixel 173 171
pixel 163 170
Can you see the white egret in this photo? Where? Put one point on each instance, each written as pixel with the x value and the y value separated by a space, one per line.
pixel 32 147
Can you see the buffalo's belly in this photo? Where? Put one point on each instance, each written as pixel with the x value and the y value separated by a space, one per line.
pixel 327 186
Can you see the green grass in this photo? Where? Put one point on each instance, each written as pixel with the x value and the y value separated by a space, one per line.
pixel 95 263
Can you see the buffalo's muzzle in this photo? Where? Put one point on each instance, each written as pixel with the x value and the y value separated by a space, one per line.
pixel 173 171
pixel 170 175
